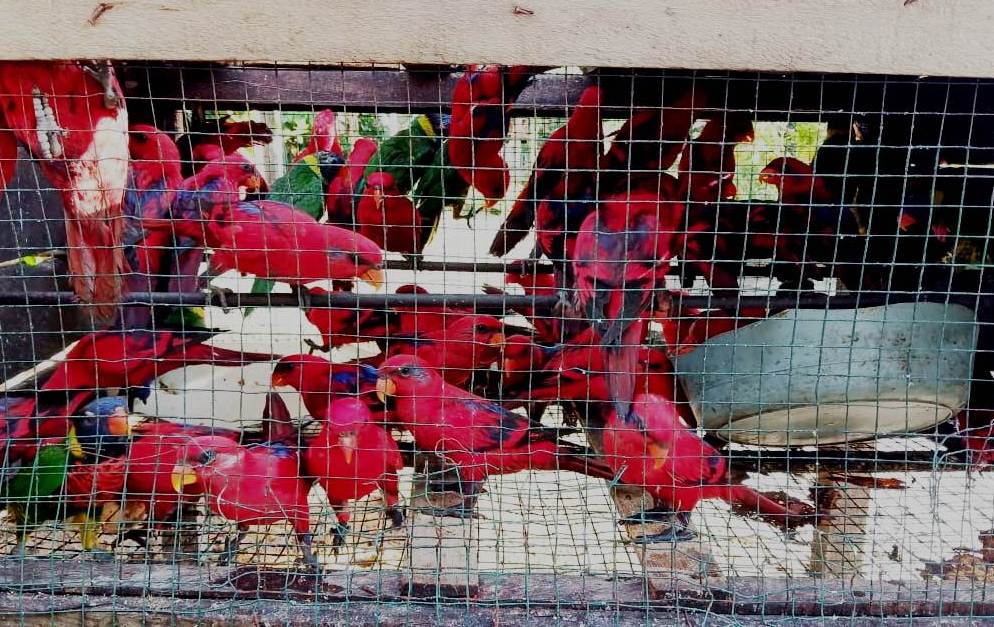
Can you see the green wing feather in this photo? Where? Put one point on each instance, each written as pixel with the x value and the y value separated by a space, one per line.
pixel 441 186
pixel 32 495
pixel 406 155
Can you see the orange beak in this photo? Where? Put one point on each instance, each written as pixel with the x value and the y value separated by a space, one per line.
pixel 377 193
pixel 658 453
pixel 385 388
pixel 348 443
pixel 497 339
pixel 278 380
pixel 118 424
pixel 373 276
pixel 765 176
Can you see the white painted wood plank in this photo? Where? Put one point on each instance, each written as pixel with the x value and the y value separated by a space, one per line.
pixel 935 37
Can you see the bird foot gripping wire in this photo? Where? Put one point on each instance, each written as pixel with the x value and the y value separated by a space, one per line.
pixel 678 529
pixel 103 73
pixel 224 296
pixel 396 517
pixel 314 346
pixel 339 535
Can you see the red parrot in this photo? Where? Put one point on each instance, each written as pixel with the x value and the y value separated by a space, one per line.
pixel 576 372
pixel 157 261
pixel 564 169
pixel 412 321
pixel 211 140
pixel 796 181
pixel 111 359
pixel 623 254
pixel 320 381
pixel 248 485
pixel 522 360
pixel 465 344
pixel 654 448
pixel 387 216
pixel 324 137
pixel 479 437
pixel 339 201
pixel 343 325
pixel 269 239
pixel 708 164
pixel 72 119
pixel 275 241
pixel 649 142
pixel 481 104
pixel 350 458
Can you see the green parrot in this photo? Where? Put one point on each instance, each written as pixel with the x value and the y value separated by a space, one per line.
pixel 407 155
pixel 441 186
pixel 33 495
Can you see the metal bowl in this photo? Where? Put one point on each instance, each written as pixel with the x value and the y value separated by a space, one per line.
pixel 811 377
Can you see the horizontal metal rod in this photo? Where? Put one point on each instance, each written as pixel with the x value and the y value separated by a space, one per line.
pixel 843 460
pixel 521 266
pixel 479 301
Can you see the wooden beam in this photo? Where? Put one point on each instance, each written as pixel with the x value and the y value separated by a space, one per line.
pixel 879 36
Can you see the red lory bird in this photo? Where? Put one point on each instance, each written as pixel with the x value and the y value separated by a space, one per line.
pixel 623 254
pixel 565 168
pixel 72 118
pixel 481 102
pixel 157 259
pixel 324 137
pixel 708 164
pixel 649 142
pixel 339 201
pixel 387 216
pixel 248 485
pixel 466 344
pixel 653 447
pixel 350 458
pixel 209 140
pixel 477 436
pixel 343 325
pixel 273 240
pixel 320 381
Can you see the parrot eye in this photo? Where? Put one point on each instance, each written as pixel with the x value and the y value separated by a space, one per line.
pixel 405 371
pixel 247 168
pixel 142 137
pixel 206 457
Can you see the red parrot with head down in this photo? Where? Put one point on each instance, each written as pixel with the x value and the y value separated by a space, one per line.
pixel 481 102
pixel 623 254
pixel 72 118
pixel 654 448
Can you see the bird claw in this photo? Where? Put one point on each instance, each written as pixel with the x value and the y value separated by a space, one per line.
pixel 99 555
pixel 104 74
pixel 649 516
pixel 673 533
pixel 396 517
pixel 339 535
pixel 222 295
pixel 463 511
pixel 316 347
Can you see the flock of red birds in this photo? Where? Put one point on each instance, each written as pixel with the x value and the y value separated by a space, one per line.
pixel 612 221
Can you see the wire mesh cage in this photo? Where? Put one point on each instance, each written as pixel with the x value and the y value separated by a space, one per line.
pixel 615 342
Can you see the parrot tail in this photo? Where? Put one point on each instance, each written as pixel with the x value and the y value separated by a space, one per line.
pixel 96 264
pixel 516 226
pixel 777 509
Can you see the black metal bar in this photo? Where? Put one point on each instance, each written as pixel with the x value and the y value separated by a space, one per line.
pixel 522 266
pixel 843 460
pixel 480 301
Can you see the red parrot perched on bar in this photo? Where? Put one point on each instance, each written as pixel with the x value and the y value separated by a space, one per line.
pixel 248 485
pixel 269 239
pixel 342 325
pixel 481 104
pixel 479 437
pixel 653 447
pixel 387 216
pixel 623 254
pixel 350 458
pixel 413 321
pixel 72 118
pixel 466 344
pixel 564 169
pixel 339 201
